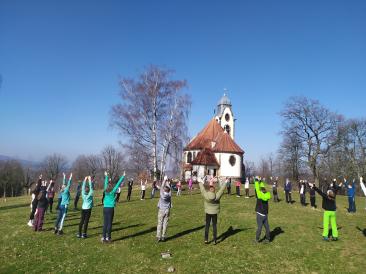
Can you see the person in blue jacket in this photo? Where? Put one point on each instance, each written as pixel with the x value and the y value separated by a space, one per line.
pixel 109 204
pixel 65 200
pixel 351 193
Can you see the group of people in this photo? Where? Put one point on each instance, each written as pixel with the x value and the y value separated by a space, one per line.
pixel 44 193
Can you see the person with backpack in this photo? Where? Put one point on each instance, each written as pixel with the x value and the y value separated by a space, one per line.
pixel 261 209
pixel 329 206
pixel 87 192
pixel 108 206
pixel 212 207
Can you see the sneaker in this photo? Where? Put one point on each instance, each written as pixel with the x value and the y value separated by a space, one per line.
pixel 84 236
pixel 78 235
pixel 158 239
pixel 30 223
pixel 56 230
pixel 325 239
pixel 206 242
pixel 335 239
pixel 108 240
pixel 60 232
pixel 266 241
pixel 102 240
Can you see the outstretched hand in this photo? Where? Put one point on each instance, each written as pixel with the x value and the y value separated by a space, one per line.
pixel 311 185
pixel 361 179
pixel 70 176
pixel 105 173
pixel 124 173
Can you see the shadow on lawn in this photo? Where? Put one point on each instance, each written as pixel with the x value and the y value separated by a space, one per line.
pixel 185 232
pixel 275 232
pixel 143 232
pixel 14 206
pixel 362 230
pixel 229 232
pixel 116 229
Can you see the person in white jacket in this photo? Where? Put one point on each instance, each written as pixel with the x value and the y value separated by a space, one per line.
pixel 363 187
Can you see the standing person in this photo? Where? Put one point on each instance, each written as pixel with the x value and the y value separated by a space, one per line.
pixel 261 208
pixel 77 195
pixel 153 189
pixel 212 207
pixel 351 192
pixel 86 207
pixel 109 204
pixel 228 185
pixel 50 194
pixel 329 206
pixel 246 186
pixel 312 198
pixel 118 194
pixel 302 192
pixel 164 206
pixel 129 189
pixel 41 208
pixel 143 189
pixel 190 185
pixel 34 201
pixel 237 185
pixel 288 189
pixel 65 200
pixel 363 187
pixel 179 188
pixel 275 190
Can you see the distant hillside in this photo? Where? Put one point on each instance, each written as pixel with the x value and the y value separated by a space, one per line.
pixel 24 163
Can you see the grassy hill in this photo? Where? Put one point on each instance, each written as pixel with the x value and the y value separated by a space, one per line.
pixel 297 246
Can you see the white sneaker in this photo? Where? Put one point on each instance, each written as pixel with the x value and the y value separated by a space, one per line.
pixel 30 223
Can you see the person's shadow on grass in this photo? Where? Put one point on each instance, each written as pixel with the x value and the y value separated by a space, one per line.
pixel 275 232
pixel 362 230
pixel 143 232
pixel 185 232
pixel 228 233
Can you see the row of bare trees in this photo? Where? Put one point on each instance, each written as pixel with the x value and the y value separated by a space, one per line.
pixel 317 143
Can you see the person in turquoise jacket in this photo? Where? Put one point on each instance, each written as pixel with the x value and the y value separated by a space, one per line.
pixel 86 208
pixel 65 200
pixel 109 203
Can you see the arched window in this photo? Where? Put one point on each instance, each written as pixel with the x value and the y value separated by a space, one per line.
pixel 227 128
pixel 189 157
pixel 227 117
pixel 232 160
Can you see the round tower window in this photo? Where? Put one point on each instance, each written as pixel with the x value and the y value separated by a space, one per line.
pixel 227 117
pixel 232 160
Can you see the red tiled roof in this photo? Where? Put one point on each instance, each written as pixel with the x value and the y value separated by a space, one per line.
pixel 214 137
pixel 205 158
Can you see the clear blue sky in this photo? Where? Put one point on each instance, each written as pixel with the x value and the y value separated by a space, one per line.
pixel 60 62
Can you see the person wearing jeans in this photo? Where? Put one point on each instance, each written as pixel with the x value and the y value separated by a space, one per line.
pixel 261 209
pixel 212 207
pixel 109 204
pixel 164 206
pixel 351 191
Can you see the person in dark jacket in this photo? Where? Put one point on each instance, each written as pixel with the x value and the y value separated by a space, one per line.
pixel 288 189
pixel 77 195
pixel 261 209
pixel 312 198
pixel 41 208
pixel 129 189
pixel 34 202
pixel 50 194
pixel 302 192
pixel 351 192
pixel 329 206
pixel 275 190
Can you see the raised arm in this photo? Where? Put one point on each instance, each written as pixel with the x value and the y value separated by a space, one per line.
pixel 91 190
pixel 119 182
pixel 221 191
pixel 202 188
pixel 262 196
pixel 363 186
pixel 64 178
pixel 105 180
pixel 83 187
pixel 69 183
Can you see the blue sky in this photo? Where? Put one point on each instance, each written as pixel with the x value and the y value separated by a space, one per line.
pixel 60 62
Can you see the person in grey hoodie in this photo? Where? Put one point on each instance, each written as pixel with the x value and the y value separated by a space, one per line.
pixel 212 207
pixel 164 206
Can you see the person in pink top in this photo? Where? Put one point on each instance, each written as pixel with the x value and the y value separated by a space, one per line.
pixel 190 185
pixel 237 184
pixel 179 188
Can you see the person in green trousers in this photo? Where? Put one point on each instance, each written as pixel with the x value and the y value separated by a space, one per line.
pixel 329 206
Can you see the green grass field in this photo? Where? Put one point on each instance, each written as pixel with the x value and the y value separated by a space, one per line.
pixel 299 248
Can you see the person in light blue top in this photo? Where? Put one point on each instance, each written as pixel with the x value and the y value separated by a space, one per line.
pixel 65 200
pixel 109 203
pixel 86 208
pixel 351 193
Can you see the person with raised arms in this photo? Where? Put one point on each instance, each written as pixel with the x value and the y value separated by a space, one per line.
pixel 65 200
pixel 129 189
pixel 164 206
pixel 212 207
pixel 261 209
pixel 108 206
pixel 41 207
pixel 329 206
pixel 34 202
pixel 50 194
pixel 86 207
pixel 363 187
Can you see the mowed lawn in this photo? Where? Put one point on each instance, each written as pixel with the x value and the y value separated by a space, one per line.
pixel 296 247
